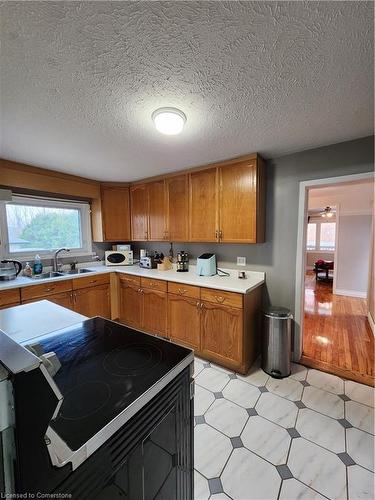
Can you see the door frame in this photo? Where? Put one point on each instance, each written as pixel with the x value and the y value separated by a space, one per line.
pixel 304 187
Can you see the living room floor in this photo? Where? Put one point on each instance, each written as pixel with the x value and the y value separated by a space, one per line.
pixel 308 436
pixel 337 337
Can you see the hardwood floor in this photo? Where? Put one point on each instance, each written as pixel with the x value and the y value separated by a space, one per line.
pixel 337 337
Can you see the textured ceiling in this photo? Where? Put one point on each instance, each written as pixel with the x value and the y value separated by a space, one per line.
pixel 79 81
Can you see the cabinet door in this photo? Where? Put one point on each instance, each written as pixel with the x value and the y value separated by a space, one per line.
pixel 93 301
pixel 177 208
pixel 116 213
pixel 221 333
pixel 184 320
pixel 130 304
pixel 203 206
pixel 154 312
pixel 238 203
pixel 139 212
pixel 64 299
pixel 157 211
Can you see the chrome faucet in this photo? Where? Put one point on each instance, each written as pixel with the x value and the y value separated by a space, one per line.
pixel 55 258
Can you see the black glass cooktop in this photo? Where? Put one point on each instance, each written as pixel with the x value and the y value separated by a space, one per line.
pixel 105 367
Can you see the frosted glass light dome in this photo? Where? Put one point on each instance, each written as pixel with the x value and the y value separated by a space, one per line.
pixel 169 121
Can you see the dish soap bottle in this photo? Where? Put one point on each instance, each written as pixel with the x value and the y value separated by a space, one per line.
pixel 38 266
pixel 27 271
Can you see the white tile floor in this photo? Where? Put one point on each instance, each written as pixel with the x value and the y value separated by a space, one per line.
pixel 307 437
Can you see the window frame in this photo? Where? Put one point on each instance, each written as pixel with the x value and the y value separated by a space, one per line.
pixel 319 223
pixel 18 199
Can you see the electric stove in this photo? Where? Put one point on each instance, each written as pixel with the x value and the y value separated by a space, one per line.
pixel 109 381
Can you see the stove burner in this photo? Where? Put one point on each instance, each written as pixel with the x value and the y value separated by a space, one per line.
pixel 132 360
pixel 85 400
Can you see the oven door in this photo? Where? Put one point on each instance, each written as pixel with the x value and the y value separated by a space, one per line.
pixel 149 458
pixel 151 471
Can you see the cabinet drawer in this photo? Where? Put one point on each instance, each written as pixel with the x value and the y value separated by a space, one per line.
pixel 219 297
pixel 9 296
pixel 185 290
pixel 44 289
pixel 154 284
pixel 131 280
pixel 87 281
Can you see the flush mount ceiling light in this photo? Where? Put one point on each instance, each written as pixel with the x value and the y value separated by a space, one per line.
pixel 327 212
pixel 169 121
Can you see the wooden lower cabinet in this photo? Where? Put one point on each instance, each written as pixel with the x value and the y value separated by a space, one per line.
pixel 184 320
pixel 5 306
pixel 143 308
pixel 154 311
pixel 222 334
pixel 64 299
pixel 93 301
pixel 130 304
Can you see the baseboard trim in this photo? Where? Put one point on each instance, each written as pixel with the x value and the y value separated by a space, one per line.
pixel 371 323
pixel 351 293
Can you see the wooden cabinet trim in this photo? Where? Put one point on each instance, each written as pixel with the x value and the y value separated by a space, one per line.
pixel 154 284
pixel 88 281
pixel 184 290
pixel 223 298
pixel 128 278
pixel 45 289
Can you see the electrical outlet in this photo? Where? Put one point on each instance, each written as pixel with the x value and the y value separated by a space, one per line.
pixel 241 261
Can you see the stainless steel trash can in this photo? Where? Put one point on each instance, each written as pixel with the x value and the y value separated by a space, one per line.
pixel 277 341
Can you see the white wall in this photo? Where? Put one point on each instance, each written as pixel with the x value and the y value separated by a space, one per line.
pixel 353 251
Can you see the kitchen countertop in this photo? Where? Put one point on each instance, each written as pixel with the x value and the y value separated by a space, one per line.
pixel 28 321
pixel 227 283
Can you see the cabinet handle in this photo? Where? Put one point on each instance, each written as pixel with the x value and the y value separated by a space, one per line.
pixel 50 289
pixel 217 234
pixel 202 306
pixel 219 298
pixel 146 235
pixel 198 305
pixel 220 234
pixel 92 281
pixel 182 291
pixel 140 290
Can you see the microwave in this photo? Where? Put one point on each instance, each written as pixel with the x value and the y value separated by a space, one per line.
pixel 118 258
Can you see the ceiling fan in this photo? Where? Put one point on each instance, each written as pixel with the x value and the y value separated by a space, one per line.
pixel 327 212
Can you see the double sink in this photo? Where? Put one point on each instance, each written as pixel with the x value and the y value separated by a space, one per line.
pixel 55 274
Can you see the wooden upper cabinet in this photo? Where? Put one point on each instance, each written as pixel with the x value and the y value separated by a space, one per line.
pixel 177 191
pixel 238 203
pixel 203 205
pixel 115 213
pixel 157 211
pixel 139 212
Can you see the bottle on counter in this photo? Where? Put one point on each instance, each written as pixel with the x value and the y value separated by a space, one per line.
pixel 38 266
pixel 27 271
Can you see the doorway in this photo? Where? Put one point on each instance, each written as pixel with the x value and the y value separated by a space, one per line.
pixel 333 299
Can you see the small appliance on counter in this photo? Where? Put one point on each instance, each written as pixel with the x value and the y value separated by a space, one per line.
pixel 148 262
pixel 119 258
pixel 9 269
pixel 206 264
pixel 182 262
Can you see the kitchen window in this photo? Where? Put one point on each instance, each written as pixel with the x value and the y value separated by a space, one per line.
pixel 321 236
pixel 34 225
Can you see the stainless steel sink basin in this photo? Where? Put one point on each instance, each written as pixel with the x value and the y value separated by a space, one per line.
pixel 45 276
pixel 77 271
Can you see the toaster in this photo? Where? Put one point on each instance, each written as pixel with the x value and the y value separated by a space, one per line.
pixel 206 264
pixel 147 262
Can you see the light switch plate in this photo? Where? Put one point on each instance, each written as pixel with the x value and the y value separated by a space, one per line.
pixel 241 261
